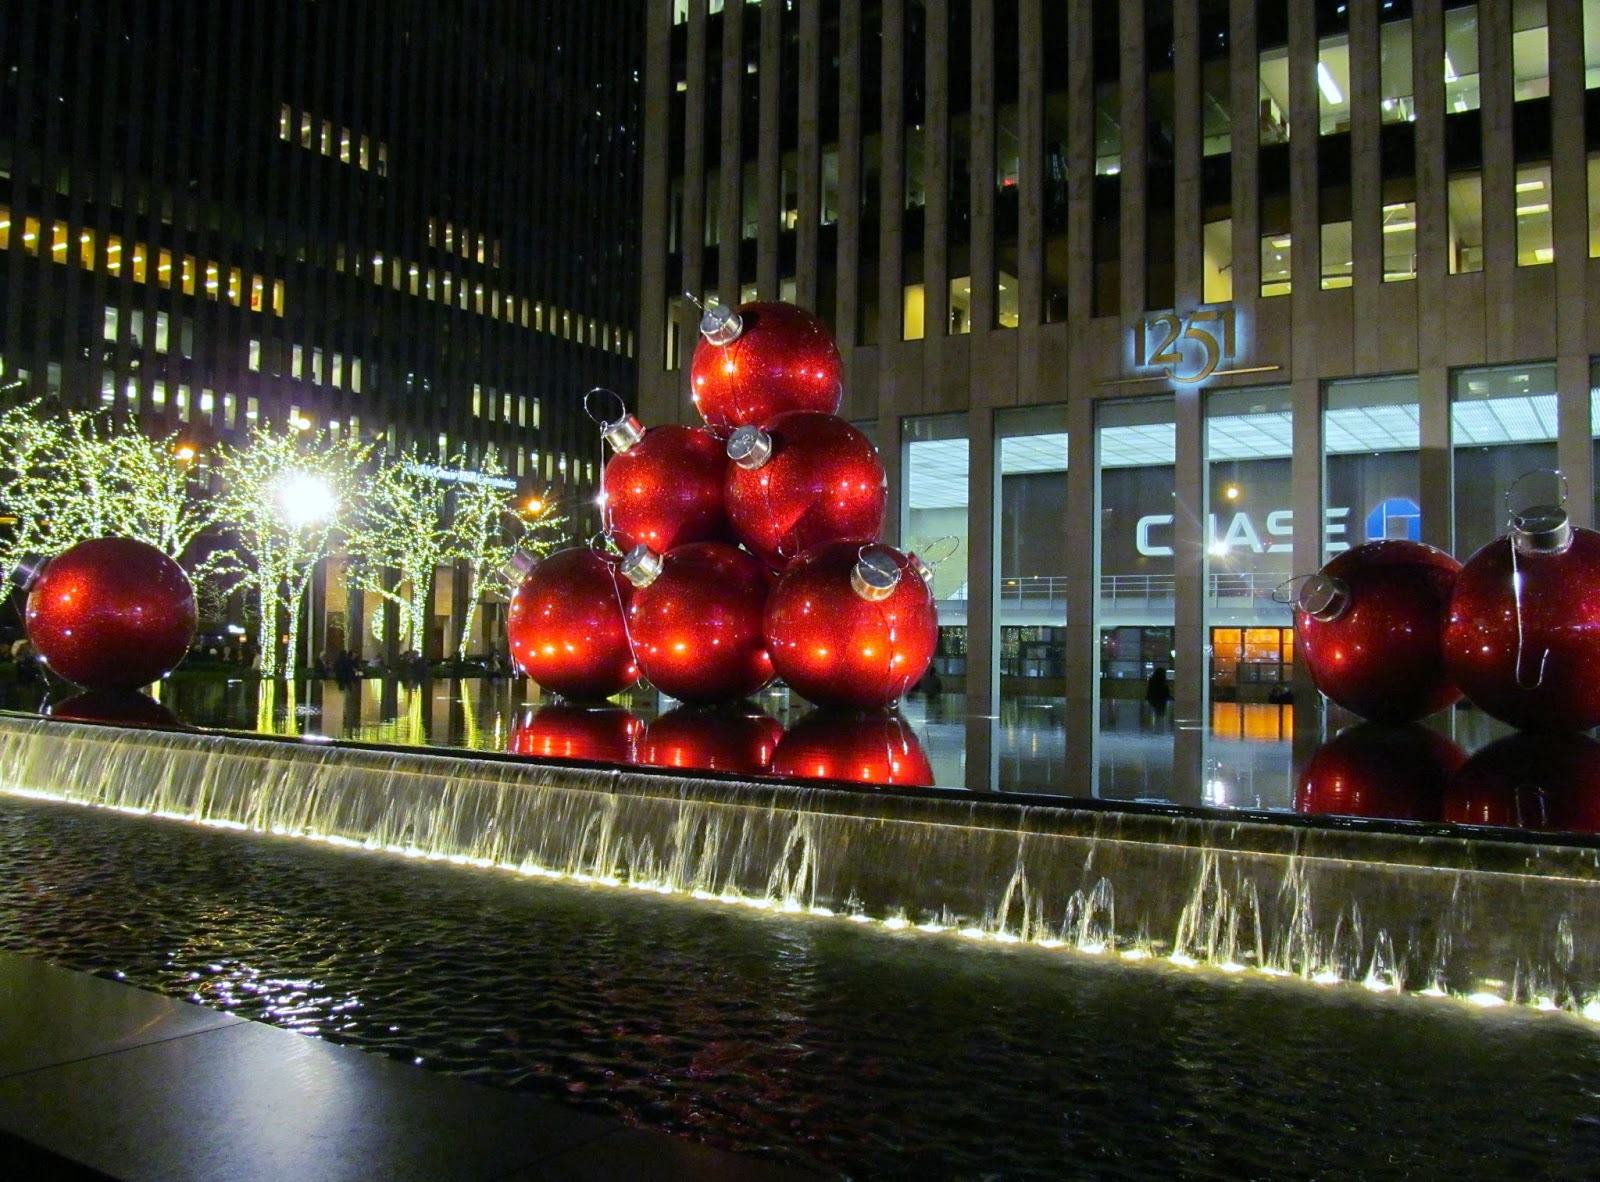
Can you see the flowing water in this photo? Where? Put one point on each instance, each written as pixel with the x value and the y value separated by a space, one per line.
pixel 861 1052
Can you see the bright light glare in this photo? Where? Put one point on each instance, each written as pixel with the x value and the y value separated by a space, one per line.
pixel 306 499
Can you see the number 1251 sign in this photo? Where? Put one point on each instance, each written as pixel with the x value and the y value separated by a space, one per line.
pixel 1188 348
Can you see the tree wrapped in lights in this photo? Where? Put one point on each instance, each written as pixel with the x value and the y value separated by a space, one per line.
pixel 489 528
pixel 400 536
pixel 67 478
pixel 282 497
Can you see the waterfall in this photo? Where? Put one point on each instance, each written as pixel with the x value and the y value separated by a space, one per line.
pixel 1476 917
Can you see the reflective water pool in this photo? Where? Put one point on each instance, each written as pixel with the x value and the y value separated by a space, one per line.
pixel 863 1053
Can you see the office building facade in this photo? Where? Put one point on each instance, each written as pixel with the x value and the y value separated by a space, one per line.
pixel 412 222
pixel 1151 306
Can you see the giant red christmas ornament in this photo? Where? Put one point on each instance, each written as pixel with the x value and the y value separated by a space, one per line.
pixel 851 625
pixel 761 360
pixel 1368 629
pixel 802 479
pixel 731 738
pixel 1378 769
pixel 597 734
pixel 1529 782
pixel 1523 635
pixel 111 614
pixel 567 628
pixel 696 620
pixel 868 747
pixel 663 487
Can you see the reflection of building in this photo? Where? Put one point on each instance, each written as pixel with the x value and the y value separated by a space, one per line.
pixel 1367 226
pixel 405 220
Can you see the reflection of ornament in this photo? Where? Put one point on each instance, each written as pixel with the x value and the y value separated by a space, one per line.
pixel 1368 629
pixel 112 614
pixel 800 480
pixel 851 625
pixel 1379 769
pixel 1529 782
pixel 118 707
pixel 598 734
pixel 868 746
pixel 696 621
pixel 760 361
pixel 566 625
pixel 664 486
pixel 712 738
pixel 1523 635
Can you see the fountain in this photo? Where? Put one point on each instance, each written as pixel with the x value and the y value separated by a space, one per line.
pixel 1496 919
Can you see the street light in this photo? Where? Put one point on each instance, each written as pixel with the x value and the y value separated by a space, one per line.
pixel 306 499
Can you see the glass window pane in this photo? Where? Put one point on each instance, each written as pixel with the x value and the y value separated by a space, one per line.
pixel 1371 438
pixel 1591 44
pixel 1534 242
pixel 1530 49
pixel 1216 125
pixel 1032 609
pixel 1275 264
pixel 1333 84
pixel 1461 59
pixel 1397 105
pixel 1218 262
pixel 1399 241
pixel 1338 262
pixel 1502 427
pixel 1249 540
pixel 934 457
pixel 1135 442
pixel 1273 99
pixel 1466 222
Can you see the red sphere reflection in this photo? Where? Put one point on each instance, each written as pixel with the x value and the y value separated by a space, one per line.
pixel 833 644
pixel 696 627
pixel 112 614
pixel 807 478
pixel 1523 635
pixel 783 359
pixel 118 708
pixel 1529 782
pixel 713 738
pixel 666 489
pixel 566 625
pixel 598 734
pixel 1368 627
pixel 1379 770
pixel 869 747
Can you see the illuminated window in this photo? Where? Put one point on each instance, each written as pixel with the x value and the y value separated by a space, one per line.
pixel 1217 240
pixel 277 297
pixel 1275 264
pixel 86 249
pixel 1333 84
pixel 1397 104
pixel 189 275
pixel 258 288
pixel 1465 208
pixel 58 242
pixel 164 268
pixel 109 330
pixel 5 228
pixel 1273 96
pixel 305 129
pixel 1461 59
pixel 1338 263
pixel 255 356
pixel 285 123
pixel 163 326
pixel 1535 245
pixel 1530 50
pixel 1399 241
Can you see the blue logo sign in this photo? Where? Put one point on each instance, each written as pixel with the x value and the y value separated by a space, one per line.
pixel 1397 517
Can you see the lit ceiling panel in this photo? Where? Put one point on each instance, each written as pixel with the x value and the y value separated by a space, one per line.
pixel 1033 453
pixel 1372 428
pixel 1485 422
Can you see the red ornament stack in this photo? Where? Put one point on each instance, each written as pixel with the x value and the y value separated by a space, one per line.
pixel 812 594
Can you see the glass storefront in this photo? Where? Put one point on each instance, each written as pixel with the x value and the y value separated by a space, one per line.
pixel 935 469
pixel 1031 611
pixel 1502 428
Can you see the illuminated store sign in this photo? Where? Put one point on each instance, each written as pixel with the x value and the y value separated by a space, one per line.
pixel 1274 533
pixel 461 476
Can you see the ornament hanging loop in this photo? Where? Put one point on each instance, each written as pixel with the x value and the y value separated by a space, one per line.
pixel 876 573
pixel 1543 527
pixel 603 417
pixel 940 550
